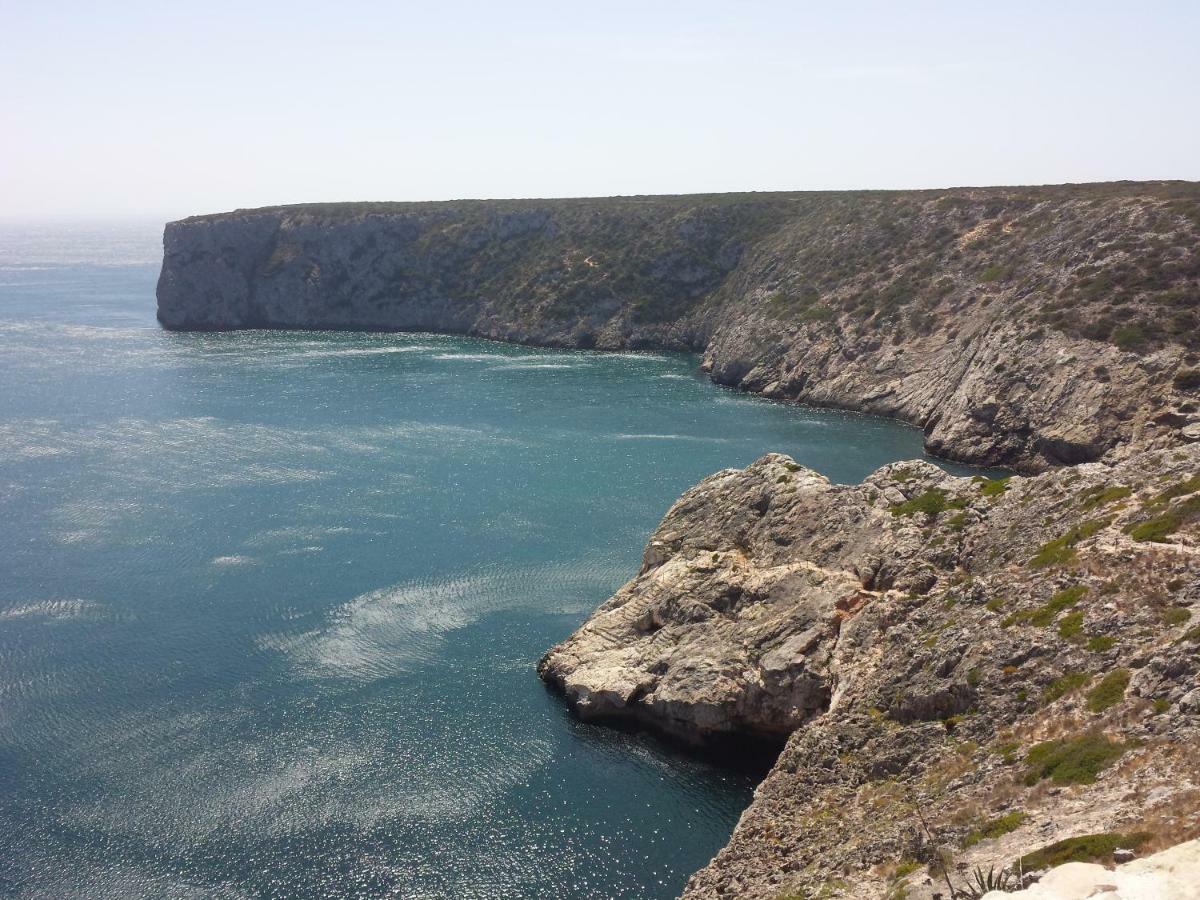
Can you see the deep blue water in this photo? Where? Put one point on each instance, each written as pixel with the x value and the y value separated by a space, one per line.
pixel 270 603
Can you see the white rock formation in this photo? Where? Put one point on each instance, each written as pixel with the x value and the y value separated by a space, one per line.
pixel 1173 874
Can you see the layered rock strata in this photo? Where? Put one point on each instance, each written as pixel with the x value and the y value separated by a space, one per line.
pixel 929 643
pixel 1020 326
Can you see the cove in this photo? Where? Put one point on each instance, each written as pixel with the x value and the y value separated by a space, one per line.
pixel 273 601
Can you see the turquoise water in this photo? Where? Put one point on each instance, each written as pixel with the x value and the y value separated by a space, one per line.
pixel 271 603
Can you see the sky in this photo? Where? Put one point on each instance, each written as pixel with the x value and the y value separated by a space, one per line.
pixel 169 109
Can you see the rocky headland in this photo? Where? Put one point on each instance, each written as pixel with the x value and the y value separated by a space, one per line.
pixel 963 669
pixel 961 675
pixel 1026 327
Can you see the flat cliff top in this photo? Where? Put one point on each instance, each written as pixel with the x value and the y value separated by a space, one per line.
pixel 1018 326
pixel 1165 190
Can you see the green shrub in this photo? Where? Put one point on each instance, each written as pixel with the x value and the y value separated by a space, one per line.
pixel 1061 550
pixel 992 487
pixel 933 502
pixel 1100 496
pixel 1007 751
pixel 993 273
pixel 1101 643
pixel 1161 705
pixel 1109 692
pixel 1128 337
pixel 1072 760
pixel 1087 848
pixel 994 828
pixel 818 313
pixel 1176 615
pixel 905 867
pixel 1179 489
pixel 995 604
pixel 1060 687
pixel 1064 599
pixel 1159 528
pixel 1070 625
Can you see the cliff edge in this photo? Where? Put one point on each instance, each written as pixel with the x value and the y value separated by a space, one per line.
pixel 1027 327
pixel 1002 674
pixel 961 673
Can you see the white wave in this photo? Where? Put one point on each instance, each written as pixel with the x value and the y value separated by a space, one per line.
pixel 49 609
pixel 75 331
pixel 525 366
pixel 671 437
pixel 466 357
pixel 392 629
pixel 364 351
pixel 301 551
pixel 649 357
pixel 307 534
pixel 137 462
pixel 234 561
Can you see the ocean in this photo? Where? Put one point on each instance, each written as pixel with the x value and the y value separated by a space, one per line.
pixel 270 603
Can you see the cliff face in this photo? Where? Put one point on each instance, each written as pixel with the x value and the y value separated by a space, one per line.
pixel 1026 326
pixel 968 669
pixel 960 671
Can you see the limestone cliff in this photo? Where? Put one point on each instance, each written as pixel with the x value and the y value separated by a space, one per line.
pixel 960 672
pixel 968 672
pixel 1019 326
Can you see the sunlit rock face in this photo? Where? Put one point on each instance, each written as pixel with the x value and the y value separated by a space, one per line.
pixel 1028 327
pixel 961 666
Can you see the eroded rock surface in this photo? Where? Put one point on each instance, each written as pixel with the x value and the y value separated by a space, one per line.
pixel 1028 327
pixel 1172 874
pixel 918 636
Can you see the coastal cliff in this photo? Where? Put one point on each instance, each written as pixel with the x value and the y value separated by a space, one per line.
pixel 967 672
pixel 959 672
pixel 1027 327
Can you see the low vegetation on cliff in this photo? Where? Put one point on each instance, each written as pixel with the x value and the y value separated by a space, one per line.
pixel 1018 326
pixel 956 697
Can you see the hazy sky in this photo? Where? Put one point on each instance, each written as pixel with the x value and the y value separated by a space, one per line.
pixel 175 108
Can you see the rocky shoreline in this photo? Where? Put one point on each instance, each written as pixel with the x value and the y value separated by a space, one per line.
pixel 927 641
pixel 1024 327
pixel 960 672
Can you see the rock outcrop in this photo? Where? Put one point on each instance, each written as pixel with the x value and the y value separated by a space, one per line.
pixel 969 670
pixel 1027 327
pixel 961 673
pixel 1172 874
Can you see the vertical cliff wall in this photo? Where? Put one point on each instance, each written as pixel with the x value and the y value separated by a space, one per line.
pixel 1019 326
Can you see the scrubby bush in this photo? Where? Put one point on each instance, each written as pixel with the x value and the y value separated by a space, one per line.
pixel 1109 692
pixel 1060 687
pixel 992 487
pixel 1101 496
pixel 932 503
pixel 1064 599
pixel 1161 527
pixel 994 828
pixel 1176 615
pixel 1070 625
pixel 1077 760
pixel 1129 337
pixel 1086 848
